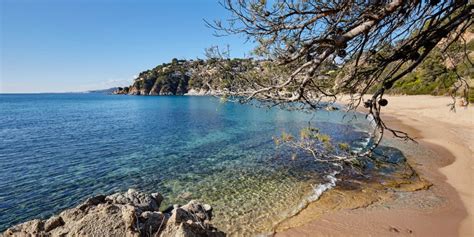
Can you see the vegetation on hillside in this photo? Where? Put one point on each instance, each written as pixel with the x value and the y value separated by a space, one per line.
pixel 180 76
pixel 436 75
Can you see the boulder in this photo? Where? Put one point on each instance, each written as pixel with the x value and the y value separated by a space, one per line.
pixel 179 215
pixel 203 212
pixel 93 201
pixel 53 222
pixel 132 213
pixel 152 222
pixel 191 230
pixel 33 227
pixel 146 202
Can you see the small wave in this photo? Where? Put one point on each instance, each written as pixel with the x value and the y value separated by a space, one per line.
pixel 318 190
pixel 361 145
pixel 321 188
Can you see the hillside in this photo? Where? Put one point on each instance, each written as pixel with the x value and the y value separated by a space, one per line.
pixel 437 75
pixel 181 77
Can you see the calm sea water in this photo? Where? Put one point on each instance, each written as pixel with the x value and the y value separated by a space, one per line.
pixel 58 149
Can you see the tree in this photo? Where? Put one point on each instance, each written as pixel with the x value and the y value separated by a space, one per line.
pixel 369 43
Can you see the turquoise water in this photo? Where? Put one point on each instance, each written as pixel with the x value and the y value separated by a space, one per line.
pixel 58 149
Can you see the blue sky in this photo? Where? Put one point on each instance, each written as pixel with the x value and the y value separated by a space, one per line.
pixel 78 45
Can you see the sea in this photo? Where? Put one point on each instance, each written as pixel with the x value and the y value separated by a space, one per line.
pixel 56 150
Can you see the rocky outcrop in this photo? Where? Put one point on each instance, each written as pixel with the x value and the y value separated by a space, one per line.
pixel 182 77
pixel 131 213
pixel 121 91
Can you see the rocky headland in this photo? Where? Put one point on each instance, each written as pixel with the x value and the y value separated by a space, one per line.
pixel 186 77
pixel 132 213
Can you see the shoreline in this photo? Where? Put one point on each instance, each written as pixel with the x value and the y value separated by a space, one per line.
pixel 445 209
pixel 440 206
pixel 130 213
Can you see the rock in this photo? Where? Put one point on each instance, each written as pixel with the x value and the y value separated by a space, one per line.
pixel 129 217
pixel 152 221
pixel 92 202
pixel 104 220
pixel 71 215
pixel 53 222
pixel 169 209
pixel 179 215
pixel 33 227
pixel 190 230
pixel 132 213
pixel 199 210
pixel 155 90
pixel 181 90
pixel 133 90
pixel 141 200
pixel 207 207
pixel 192 206
pixel 192 219
pixel 121 91
pixel 158 198
pixel 193 91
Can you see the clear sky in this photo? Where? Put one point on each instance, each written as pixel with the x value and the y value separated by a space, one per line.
pixel 78 45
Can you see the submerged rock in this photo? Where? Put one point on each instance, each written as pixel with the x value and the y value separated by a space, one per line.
pixel 132 213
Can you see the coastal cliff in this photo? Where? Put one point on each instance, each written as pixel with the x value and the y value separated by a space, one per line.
pixel 185 77
pixel 132 213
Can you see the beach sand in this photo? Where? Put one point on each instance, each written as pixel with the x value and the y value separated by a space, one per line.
pixel 443 156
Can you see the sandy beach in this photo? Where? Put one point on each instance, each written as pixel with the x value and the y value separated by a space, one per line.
pixel 443 156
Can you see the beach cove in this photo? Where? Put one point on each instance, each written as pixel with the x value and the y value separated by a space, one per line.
pixel 385 189
pixel 444 158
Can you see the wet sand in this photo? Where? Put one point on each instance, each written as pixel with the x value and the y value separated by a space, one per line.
pixel 443 157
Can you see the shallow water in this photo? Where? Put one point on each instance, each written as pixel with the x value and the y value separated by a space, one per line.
pixel 58 149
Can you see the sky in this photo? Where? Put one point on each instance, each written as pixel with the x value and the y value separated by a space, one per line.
pixel 80 45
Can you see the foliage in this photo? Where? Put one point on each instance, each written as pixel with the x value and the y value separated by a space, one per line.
pixel 373 46
pixel 436 75
pixel 317 144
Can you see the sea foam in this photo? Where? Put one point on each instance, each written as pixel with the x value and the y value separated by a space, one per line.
pixel 321 188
